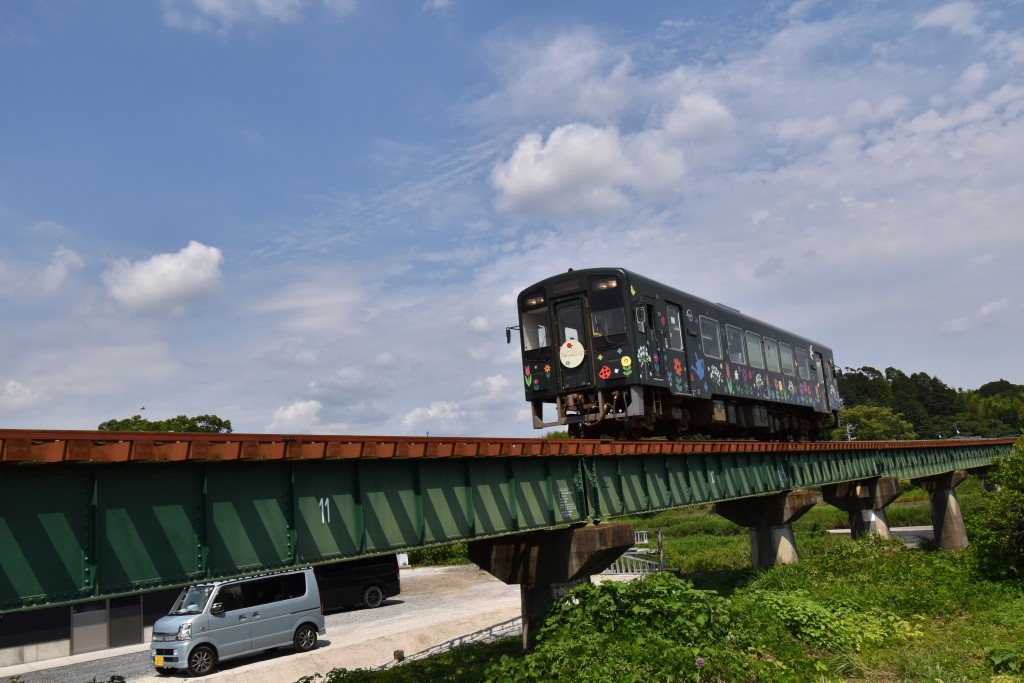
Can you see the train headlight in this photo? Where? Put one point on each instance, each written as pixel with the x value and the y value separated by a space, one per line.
pixel 606 284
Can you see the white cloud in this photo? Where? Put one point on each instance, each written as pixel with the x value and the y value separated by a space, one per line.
pixel 480 324
pixel 300 417
pixel 221 16
pixel 438 417
pixel 63 262
pixel 959 17
pixel 1010 309
pixel 166 281
pixel 325 304
pixel 434 5
pixel 697 116
pixel 16 396
pixel 584 168
pixel 972 78
pixel 574 75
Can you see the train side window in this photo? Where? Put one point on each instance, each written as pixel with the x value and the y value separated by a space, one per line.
pixel 771 355
pixel 675 328
pixel 734 340
pixel 710 337
pixel 803 365
pixel 788 366
pixel 754 354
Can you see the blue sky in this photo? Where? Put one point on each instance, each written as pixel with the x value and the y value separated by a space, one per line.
pixel 314 215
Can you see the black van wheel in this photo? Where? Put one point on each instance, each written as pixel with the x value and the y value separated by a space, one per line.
pixel 372 597
pixel 201 661
pixel 305 638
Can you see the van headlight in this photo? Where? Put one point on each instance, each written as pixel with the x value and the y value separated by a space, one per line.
pixel 185 632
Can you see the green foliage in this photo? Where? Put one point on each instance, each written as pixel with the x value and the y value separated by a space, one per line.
pixel 557 434
pixel 870 423
pixel 655 629
pixel 465 664
pixel 996 526
pixel 181 423
pixel 934 409
pixel 440 555
pixel 839 627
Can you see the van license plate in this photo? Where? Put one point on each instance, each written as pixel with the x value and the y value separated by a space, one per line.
pixel 158 660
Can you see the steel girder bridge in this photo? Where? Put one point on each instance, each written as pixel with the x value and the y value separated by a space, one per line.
pixel 96 514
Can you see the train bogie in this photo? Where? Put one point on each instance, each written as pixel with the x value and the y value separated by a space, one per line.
pixel 613 354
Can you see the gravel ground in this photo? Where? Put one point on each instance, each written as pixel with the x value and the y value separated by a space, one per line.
pixel 438 607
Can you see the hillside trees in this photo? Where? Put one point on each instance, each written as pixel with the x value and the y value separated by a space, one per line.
pixel 934 409
pixel 181 423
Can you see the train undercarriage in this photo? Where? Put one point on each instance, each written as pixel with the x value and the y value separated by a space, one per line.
pixel 637 412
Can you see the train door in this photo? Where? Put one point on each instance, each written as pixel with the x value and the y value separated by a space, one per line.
pixel 655 342
pixel 573 362
pixel 675 361
pixel 826 380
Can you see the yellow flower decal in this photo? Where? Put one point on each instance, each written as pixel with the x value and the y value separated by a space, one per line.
pixel 626 361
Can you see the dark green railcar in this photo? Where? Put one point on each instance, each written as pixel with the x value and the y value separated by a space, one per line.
pixel 613 354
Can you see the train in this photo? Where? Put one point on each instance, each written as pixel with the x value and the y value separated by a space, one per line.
pixel 609 353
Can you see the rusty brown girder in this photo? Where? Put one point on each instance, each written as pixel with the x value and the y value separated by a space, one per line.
pixel 56 446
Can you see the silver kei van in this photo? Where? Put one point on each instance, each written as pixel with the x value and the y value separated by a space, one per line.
pixel 211 622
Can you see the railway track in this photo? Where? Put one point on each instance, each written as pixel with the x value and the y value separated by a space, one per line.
pixel 55 446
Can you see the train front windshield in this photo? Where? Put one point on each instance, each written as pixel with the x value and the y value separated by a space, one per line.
pixel 607 312
pixel 535 324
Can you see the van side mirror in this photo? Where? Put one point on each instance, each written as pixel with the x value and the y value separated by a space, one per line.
pixel 218 608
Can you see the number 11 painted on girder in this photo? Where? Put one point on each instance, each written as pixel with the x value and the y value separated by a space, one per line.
pixel 325 510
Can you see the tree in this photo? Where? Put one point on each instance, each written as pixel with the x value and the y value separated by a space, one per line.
pixel 870 423
pixel 181 423
pixel 996 528
pixel 864 386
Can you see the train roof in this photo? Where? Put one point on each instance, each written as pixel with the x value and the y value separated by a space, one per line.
pixel 634 277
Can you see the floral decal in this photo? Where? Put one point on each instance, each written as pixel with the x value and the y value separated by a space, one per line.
pixel 547 371
pixel 643 355
pixel 526 372
pixel 677 365
pixel 627 366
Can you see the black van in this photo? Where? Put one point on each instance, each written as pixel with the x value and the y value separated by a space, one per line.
pixel 367 581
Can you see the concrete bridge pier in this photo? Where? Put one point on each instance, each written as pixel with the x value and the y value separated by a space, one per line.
pixel 546 564
pixel 982 474
pixel 864 502
pixel 947 520
pixel 770 520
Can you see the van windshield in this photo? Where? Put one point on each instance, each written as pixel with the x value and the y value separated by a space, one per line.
pixel 192 600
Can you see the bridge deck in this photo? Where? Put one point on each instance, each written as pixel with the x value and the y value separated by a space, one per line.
pixel 96 514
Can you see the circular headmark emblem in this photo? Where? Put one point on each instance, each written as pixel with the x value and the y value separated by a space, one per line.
pixel 571 354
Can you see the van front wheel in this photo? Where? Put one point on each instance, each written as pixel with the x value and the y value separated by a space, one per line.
pixel 305 638
pixel 201 661
pixel 372 597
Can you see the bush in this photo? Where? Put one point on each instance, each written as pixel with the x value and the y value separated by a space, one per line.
pixel 996 527
pixel 659 628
